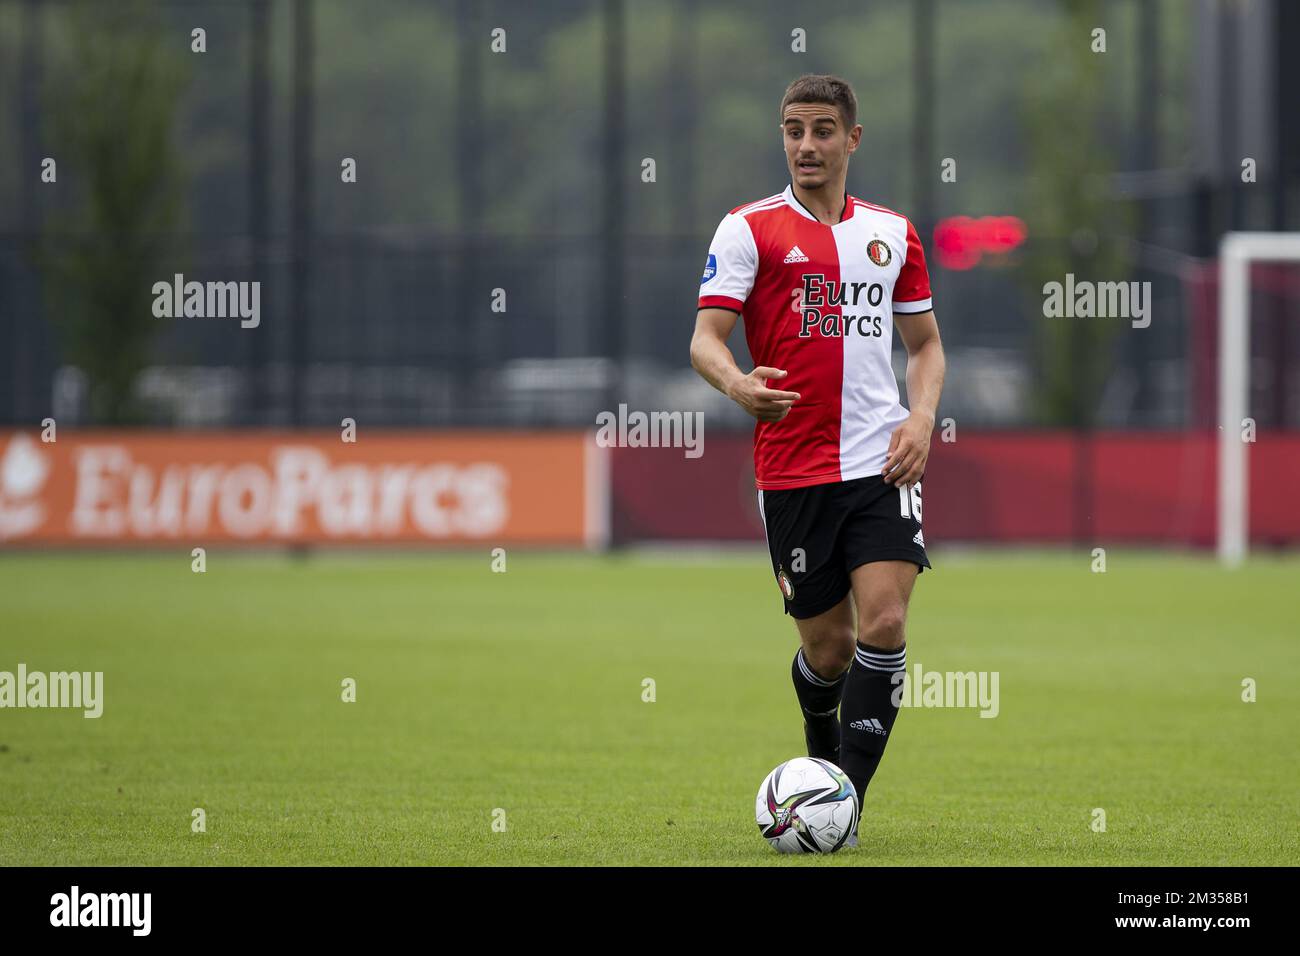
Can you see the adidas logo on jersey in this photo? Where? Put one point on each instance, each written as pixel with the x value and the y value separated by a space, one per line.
pixel 918 539
pixel 869 724
pixel 795 255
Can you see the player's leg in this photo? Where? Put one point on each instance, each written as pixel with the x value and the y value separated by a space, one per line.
pixel 885 551
pixel 802 526
pixel 881 590
pixel 818 671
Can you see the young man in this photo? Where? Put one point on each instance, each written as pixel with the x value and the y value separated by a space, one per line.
pixel 821 278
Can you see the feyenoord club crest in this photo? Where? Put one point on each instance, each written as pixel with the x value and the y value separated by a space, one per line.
pixel 878 252
pixel 787 588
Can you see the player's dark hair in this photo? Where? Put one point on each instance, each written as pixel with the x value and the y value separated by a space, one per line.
pixel 823 88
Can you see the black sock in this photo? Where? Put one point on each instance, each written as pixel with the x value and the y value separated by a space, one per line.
pixel 819 699
pixel 818 696
pixel 868 712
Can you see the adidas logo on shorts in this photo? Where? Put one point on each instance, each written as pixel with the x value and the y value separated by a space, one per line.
pixel 795 255
pixel 918 539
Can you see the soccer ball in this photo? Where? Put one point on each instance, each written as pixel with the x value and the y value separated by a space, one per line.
pixel 806 805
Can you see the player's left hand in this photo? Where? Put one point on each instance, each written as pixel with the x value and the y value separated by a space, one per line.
pixel 909 447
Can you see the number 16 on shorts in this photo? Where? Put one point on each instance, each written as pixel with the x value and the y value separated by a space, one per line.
pixel 909 501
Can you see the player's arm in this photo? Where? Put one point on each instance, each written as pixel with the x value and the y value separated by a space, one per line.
pixel 909 446
pixel 715 363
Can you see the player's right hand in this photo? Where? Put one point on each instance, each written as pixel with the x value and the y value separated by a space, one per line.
pixel 751 393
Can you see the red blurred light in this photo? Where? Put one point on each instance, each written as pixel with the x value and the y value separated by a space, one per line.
pixel 962 241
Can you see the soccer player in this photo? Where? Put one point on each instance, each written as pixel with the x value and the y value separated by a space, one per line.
pixel 821 278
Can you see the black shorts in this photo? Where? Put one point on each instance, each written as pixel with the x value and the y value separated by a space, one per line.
pixel 818 534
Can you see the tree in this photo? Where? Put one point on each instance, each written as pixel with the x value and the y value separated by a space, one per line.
pixel 114 97
pixel 1072 213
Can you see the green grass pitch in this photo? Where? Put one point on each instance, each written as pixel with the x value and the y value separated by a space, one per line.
pixel 522 691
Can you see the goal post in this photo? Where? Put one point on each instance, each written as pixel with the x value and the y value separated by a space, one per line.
pixel 1237 251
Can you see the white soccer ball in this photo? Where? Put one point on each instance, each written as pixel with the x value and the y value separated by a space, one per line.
pixel 806 805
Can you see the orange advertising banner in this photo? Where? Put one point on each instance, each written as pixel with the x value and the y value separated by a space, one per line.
pixel 270 487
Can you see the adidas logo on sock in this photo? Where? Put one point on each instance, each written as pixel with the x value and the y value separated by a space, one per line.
pixel 869 724
pixel 795 255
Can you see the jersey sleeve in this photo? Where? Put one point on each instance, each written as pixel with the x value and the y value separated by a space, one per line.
pixel 912 290
pixel 731 266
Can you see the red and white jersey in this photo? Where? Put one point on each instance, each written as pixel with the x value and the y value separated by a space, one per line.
pixel 818 301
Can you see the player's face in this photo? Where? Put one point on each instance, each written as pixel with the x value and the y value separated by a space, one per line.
pixel 817 145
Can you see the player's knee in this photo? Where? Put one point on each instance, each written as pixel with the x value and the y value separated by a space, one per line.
pixel 831 652
pixel 884 627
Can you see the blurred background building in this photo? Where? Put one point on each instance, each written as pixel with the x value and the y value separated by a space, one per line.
pixel 570 160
